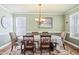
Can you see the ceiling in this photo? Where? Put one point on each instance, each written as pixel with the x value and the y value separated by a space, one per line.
pixel 34 8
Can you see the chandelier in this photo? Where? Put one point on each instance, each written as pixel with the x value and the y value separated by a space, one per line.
pixel 39 19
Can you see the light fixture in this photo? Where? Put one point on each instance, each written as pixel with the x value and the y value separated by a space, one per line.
pixel 39 19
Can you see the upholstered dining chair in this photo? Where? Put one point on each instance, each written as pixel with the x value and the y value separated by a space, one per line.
pixel 63 35
pixel 35 33
pixel 14 40
pixel 45 41
pixel 29 43
pixel 45 33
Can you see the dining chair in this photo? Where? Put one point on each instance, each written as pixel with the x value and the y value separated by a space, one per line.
pixel 45 41
pixel 45 33
pixel 63 36
pixel 14 40
pixel 36 39
pixel 35 33
pixel 29 43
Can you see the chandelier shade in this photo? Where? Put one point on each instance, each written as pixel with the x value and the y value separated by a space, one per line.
pixel 39 20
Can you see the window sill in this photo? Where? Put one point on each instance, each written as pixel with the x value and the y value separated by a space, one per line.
pixel 75 37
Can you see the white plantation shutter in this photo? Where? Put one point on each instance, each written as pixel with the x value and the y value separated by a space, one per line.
pixel 74 24
pixel 21 25
pixel 77 25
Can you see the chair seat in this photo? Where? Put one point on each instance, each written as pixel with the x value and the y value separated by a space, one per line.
pixel 45 46
pixel 29 46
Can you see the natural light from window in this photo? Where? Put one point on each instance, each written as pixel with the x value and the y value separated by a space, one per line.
pixel 74 25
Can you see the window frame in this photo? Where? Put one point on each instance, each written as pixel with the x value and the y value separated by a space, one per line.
pixel 74 25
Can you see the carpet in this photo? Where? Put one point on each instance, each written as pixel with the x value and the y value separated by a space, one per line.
pixel 45 52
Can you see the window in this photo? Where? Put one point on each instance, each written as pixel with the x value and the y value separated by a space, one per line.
pixel 21 25
pixel 74 24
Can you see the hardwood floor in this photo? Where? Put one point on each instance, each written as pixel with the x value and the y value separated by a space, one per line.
pixel 73 50
pixel 5 49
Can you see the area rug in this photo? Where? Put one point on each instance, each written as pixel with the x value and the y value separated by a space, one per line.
pixel 55 52
pixel 17 51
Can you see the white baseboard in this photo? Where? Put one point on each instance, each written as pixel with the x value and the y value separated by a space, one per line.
pixel 5 45
pixel 76 46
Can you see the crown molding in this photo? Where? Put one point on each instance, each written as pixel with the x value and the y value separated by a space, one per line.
pixel 6 9
pixel 71 10
pixel 53 13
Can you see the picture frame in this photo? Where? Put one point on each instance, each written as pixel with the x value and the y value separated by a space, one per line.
pixel 48 23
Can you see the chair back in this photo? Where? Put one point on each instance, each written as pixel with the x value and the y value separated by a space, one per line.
pixel 13 37
pixel 28 39
pixel 35 33
pixel 45 39
pixel 63 35
pixel 45 33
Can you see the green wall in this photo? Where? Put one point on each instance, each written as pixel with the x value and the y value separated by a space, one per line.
pixel 4 37
pixel 58 23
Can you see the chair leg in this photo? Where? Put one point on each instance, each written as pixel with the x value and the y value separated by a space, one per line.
pixel 11 48
pixel 21 49
pixel 15 47
pixel 33 51
pixel 49 51
pixel 41 51
pixel 24 51
pixel 64 45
